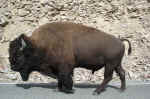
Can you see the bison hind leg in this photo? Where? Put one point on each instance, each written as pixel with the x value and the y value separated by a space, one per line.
pixel 108 74
pixel 121 72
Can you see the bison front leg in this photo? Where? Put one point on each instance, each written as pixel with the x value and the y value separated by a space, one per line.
pixel 65 82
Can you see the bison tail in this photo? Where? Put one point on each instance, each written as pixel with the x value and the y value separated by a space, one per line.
pixel 130 49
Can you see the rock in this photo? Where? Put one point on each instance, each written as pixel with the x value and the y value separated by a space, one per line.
pixel 8 14
pixel 12 76
pixel 2 69
pixel 1 33
pixel 23 13
pixel 148 1
pixel 43 2
pixel 3 65
pixel 30 19
pixel 3 21
pixel 148 65
pixel 43 21
pixel 131 74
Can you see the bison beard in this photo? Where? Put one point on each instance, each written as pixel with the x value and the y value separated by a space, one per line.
pixel 55 49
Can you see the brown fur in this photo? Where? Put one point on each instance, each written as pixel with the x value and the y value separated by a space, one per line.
pixel 59 47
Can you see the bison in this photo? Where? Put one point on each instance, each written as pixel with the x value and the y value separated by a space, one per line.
pixel 55 49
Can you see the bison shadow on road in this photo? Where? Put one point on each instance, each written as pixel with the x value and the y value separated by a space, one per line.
pixel 53 85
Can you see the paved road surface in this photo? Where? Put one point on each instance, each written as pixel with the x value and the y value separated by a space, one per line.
pixel 84 91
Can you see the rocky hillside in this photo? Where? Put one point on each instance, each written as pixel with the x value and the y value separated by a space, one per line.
pixel 125 18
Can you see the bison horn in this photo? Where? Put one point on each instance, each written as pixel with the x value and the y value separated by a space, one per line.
pixel 23 44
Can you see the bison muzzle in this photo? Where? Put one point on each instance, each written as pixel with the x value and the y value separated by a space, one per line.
pixel 55 49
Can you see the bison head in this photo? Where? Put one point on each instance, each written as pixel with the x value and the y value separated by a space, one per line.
pixel 21 56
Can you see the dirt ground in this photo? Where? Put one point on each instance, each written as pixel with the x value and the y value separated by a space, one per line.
pixel 125 18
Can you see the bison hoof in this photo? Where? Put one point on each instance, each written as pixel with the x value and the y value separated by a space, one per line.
pixel 122 89
pixel 96 93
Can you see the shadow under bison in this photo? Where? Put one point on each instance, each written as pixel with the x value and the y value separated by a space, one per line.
pixel 53 86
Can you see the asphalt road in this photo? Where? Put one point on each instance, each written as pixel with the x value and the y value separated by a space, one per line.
pixel 82 91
